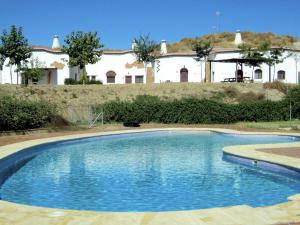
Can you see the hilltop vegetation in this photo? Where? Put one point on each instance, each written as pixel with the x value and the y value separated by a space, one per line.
pixel 226 40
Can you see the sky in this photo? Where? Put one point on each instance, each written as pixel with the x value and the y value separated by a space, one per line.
pixel 119 21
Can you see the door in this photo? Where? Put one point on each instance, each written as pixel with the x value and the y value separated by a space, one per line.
pixel 49 77
pixel 128 79
pixel 184 75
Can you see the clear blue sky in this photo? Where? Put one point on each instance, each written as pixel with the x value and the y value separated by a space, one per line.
pixel 119 21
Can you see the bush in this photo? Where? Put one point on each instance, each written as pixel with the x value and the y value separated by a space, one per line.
pixel 192 111
pixel 71 81
pixel 293 98
pixel 20 115
pixel 280 86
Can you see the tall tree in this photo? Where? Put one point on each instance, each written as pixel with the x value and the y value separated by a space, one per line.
pixel 202 49
pixel 145 50
pixel 83 49
pixel 15 47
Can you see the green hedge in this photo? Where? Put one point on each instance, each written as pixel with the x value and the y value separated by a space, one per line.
pixel 20 114
pixel 71 81
pixel 192 111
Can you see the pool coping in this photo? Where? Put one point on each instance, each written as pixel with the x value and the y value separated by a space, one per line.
pixel 288 212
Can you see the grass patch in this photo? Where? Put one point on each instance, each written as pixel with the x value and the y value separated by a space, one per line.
pixel 277 125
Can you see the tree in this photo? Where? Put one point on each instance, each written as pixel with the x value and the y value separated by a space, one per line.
pixel 83 49
pixel 33 70
pixel 202 49
pixel 15 47
pixel 262 54
pixel 254 56
pixel 2 60
pixel 145 50
pixel 275 57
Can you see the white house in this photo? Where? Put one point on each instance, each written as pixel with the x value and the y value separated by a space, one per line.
pixel 121 67
pixel 224 64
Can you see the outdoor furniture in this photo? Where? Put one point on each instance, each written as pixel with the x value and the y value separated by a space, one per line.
pixel 233 79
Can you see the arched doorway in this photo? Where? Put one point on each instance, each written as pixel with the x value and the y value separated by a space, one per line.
pixel 184 75
pixel 258 74
pixel 111 77
pixel 281 75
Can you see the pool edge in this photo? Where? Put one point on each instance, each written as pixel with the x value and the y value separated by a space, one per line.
pixel 136 217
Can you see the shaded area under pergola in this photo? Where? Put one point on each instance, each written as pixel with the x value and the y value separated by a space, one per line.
pixel 238 61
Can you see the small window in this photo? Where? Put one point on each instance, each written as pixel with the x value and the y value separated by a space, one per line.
pixel 281 75
pixel 111 77
pixel 139 79
pixel 258 74
pixel 128 79
pixel 93 78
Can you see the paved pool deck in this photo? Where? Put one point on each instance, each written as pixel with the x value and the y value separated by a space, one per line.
pixel 285 213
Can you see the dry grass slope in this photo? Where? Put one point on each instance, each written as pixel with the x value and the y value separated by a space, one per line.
pixel 80 95
pixel 226 39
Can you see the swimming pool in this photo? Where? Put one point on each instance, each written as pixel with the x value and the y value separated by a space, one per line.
pixel 152 171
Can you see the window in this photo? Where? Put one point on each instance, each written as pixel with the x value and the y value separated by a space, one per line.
pixel 93 78
pixel 281 75
pixel 139 79
pixel 258 74
pixel 128 79
pixel 111 77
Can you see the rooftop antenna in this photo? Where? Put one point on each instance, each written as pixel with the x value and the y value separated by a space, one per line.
pixel 218 13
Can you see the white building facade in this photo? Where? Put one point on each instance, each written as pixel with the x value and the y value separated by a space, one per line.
pixel 121 67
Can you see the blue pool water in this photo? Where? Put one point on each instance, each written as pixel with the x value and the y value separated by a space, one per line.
pixel 157 171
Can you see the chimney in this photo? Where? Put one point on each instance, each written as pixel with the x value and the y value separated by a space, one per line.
pixel 133 44
pixel 55 44
pixel 163 47
pixel 238 38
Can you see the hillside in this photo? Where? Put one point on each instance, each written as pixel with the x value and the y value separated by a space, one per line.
pixel 226 39
pixel 72 101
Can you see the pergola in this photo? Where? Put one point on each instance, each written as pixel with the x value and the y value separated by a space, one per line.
pixel 238 61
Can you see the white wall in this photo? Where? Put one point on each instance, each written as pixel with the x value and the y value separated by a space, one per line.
pixel 47 58
pixel 116 63
pixel 167 68
pixel 227 70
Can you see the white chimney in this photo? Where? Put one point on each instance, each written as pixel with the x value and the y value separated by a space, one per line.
pixel 238 38
pixel 163 47
pixel 55 44
pixel 133 44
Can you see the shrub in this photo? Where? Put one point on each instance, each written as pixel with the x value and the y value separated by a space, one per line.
pixel 19 114
pixel 293 98
pixel 192 111
pixel 250 97
pixel 71 81
pixel 280 86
